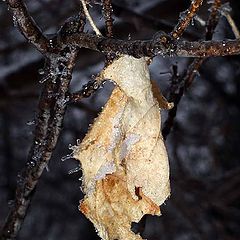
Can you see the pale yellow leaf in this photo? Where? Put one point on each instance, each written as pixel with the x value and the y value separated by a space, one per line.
pixel 123 157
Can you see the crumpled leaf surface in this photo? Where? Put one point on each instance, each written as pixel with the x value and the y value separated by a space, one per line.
pixel 123 156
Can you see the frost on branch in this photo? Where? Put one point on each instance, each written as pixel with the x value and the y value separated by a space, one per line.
pixel 123 157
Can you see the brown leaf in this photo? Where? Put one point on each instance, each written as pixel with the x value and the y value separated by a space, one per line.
pixel 112 209
pixel 123 157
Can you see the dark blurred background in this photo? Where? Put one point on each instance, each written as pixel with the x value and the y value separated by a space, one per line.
pixel 204 146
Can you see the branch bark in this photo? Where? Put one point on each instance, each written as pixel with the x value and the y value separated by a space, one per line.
pixel 185 19
pixel 52 106
pixel 107 12
pixel 184 82
pixel 161 44
pixel 27 25
pixel 51 110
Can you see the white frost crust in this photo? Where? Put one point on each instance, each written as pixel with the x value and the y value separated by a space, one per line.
pixel 127 145
pixel 108 168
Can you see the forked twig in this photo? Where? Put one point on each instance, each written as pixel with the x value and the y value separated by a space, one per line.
pixel 51 109
pixel 27 25
pixel 184 82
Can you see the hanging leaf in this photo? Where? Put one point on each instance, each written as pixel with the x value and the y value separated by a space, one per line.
pixel 123 156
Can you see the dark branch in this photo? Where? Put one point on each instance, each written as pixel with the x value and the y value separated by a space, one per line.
pixel 27 25
pixel 208 48
pixel 107 12
pixel 52 106
pixel 160 44
pixel 185 19
pixel 182 84
pixel 136 48
pixel 51 111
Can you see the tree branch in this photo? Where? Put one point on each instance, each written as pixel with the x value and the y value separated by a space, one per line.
pixel 185 19
pixel 62 52
pixel 27 25
pixel 52 106
pixel 181 84
pixel 161 44
pixel 89 18
pixel 51 111
pixel 107 12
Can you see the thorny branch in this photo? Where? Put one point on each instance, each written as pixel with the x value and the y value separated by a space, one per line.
pixel 61 53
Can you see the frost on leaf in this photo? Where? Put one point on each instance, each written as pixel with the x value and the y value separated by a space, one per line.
pixel 123 156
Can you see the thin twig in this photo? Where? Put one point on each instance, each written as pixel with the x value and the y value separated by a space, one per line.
pixel 89 18
pixel 107 12
pixel 183 83
pixel 185 19
pixel 232 24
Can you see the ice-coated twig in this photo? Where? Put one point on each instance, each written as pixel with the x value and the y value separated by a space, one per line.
pixel 186 18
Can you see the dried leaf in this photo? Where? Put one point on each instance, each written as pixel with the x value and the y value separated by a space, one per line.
pixel 162 101
pixel 123 157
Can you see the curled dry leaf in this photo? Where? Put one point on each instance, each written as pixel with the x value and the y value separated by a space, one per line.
pixel 123 156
